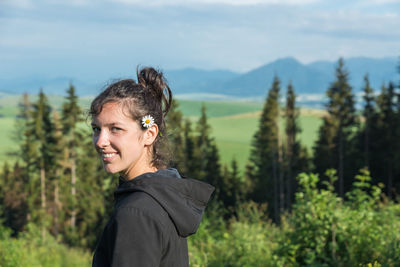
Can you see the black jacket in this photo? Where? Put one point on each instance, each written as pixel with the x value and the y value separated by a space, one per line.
pixel 153 215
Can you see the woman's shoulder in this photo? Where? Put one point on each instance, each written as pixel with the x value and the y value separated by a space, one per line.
pixel 141 204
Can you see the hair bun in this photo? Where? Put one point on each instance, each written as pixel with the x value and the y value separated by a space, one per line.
pixel 155 82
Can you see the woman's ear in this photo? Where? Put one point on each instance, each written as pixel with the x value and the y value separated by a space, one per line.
pixel 150 135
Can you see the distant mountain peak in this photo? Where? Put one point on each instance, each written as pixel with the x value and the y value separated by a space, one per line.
pixel 286 60
pixel 312 78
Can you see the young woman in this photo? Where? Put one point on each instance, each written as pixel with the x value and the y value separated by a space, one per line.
pixel 155 208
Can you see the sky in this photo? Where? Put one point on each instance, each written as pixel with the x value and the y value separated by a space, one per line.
pixel 49 38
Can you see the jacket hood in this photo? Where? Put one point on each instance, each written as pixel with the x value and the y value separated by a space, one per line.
pixel 183 199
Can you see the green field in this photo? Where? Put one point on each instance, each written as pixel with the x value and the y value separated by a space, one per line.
pixel 7 144
pixel 234 135
pixel 218 108
pixel 233 124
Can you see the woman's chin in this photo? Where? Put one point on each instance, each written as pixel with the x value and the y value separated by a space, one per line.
pixel 109 169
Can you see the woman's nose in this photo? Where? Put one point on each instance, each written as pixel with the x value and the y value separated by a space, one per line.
pixel 102 140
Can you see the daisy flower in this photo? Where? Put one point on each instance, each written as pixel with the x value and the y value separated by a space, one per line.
pixel 147 121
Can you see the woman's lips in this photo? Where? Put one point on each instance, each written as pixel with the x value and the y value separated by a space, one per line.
pixel 108 157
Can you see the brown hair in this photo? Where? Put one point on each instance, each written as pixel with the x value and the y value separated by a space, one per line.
pixel 150 95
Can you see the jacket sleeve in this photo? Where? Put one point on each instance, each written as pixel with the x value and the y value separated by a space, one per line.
pixel 138 239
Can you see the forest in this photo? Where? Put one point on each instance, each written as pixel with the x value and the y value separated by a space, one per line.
pixel 336 206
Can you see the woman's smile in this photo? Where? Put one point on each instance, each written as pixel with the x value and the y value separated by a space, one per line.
pixel 108 157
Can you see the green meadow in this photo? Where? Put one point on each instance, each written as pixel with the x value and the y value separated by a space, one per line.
pixel 233 135
pixel 233 124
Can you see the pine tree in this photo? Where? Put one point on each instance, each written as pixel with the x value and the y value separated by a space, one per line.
pixel 56 206
pixel 368 113
pixel 23 114
pixel 324 155
pixel 71 116
pixel 213 167
pixel 387 129
pixel 190 164
pixel 206 158
pixel 42 130
pixel 263 168
pixel 232 188
pixel 4 178
pixel 397 134
pixel 176 138
pixel 296 159
pixel 15 187
pixel 336 133
pixel 13 198
pixel 201 147
pixel 28 153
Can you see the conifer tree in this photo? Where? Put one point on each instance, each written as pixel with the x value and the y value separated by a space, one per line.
pixel 42 130
pixel 295 157
pixel 23 114
pixel 71 116
pixel 16 185
pixel 13 198
pixel 4 178
pixel 263 168
pixel 56 205
pixel 324 155
pixel 200 147
pixel 28 153
pixel 335 135
pixel 206 158
pixel 213 167
pixel 190 165
pixel 387 132
pixel 176 138
pixel 368 113
pixel 232 188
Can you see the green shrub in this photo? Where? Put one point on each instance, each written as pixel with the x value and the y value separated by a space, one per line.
pixel 324 230
pixel 247 240
pixel 321 230
pixel 35 248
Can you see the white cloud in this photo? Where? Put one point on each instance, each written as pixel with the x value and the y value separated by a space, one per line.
pixel 25 4
pixel 382 2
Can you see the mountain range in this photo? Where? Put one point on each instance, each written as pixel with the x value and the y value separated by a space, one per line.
pixel 313 78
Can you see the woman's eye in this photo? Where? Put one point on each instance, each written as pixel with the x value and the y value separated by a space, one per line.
pixel 115 129
pixel 95 129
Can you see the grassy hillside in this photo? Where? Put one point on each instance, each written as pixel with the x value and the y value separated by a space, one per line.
pixel 233 124
pixel 218 108
pixel 7 144
pixel 234 134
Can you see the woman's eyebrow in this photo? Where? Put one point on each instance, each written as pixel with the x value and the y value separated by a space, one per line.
pixel 108 124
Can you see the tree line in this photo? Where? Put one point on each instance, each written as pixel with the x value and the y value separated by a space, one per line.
pixel 58 183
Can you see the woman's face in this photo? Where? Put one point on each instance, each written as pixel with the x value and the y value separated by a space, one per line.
pixel 120 142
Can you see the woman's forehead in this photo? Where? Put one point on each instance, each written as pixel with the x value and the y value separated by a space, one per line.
pixel 113 112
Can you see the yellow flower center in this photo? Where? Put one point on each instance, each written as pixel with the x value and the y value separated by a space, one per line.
pixel 147 121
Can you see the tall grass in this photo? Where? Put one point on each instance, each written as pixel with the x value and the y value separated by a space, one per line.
pixel 32 248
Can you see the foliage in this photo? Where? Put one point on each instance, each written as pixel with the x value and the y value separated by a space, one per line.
pixel 333 148
pixel 247 240
pixel 325 230
pixel 264 165
pixel 295 155
pixel 321 230
pixel 31 249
